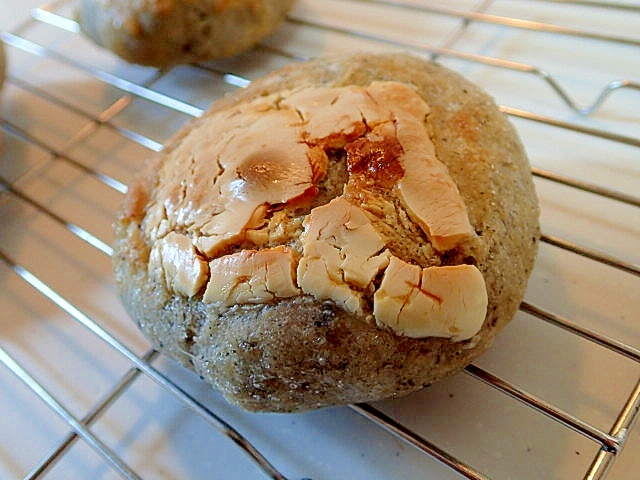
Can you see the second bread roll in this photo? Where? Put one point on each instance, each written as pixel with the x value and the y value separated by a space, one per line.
pixel 168 32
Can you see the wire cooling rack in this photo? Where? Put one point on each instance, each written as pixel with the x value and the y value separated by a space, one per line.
pixel 83 396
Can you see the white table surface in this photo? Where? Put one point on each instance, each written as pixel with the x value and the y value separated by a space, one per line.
pixel 13 12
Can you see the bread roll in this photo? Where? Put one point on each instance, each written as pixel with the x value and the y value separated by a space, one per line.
pixel 3 65
pixel 168 32
pixel 343 230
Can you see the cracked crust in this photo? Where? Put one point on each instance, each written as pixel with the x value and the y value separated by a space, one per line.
pixel 299 353
pixel 168 32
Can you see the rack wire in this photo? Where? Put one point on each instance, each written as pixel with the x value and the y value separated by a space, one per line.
pixel 588 103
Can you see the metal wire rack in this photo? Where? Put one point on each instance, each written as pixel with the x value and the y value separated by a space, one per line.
pixel 556 397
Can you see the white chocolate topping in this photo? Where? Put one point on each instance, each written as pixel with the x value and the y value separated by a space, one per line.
pixel 239 164
pixel 419 302
pixel 341 250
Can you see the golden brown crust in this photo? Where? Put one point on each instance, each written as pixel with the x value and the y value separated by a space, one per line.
pixel 299 353
pixel 168 32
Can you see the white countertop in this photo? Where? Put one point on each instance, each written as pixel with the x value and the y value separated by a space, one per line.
pixel 59 82
pixel 14 12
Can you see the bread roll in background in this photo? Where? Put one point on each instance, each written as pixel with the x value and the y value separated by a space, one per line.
pixel 343 230
pixel 162 33
pixel 3 66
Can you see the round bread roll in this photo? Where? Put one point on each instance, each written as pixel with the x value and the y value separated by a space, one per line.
pixel 343 230
pixel 168 32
